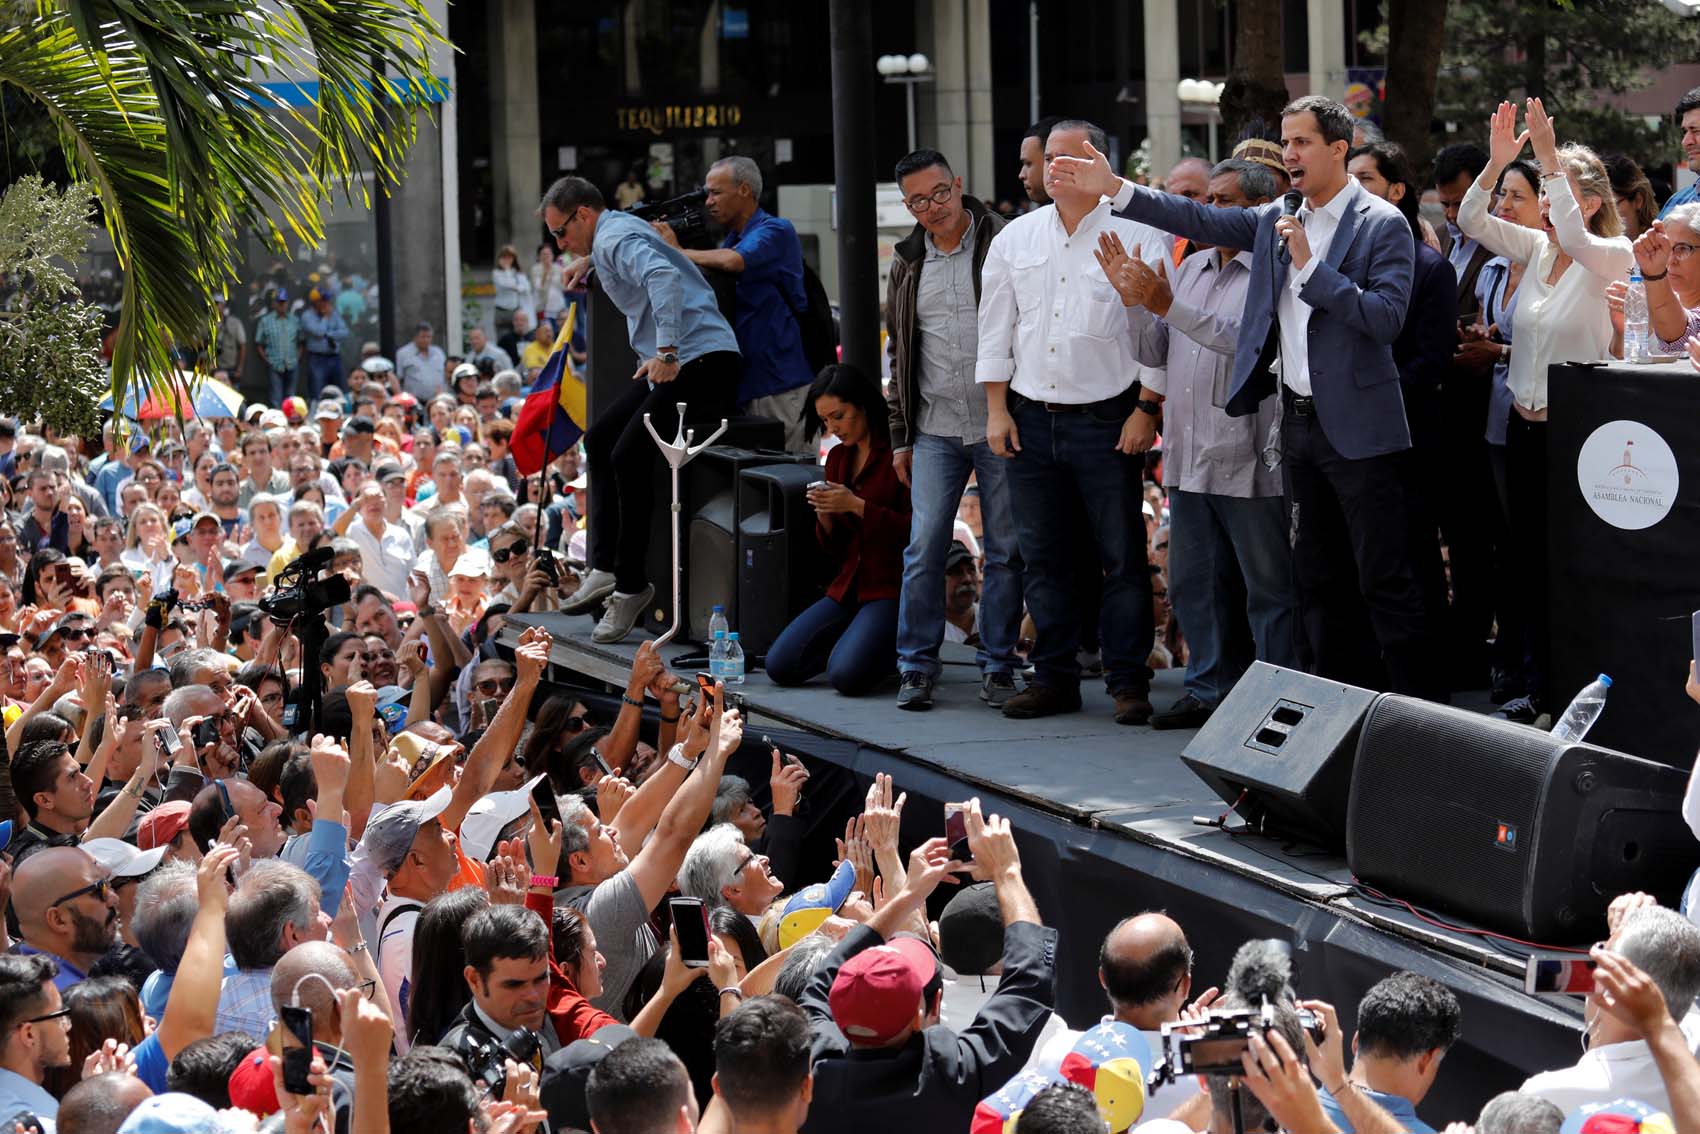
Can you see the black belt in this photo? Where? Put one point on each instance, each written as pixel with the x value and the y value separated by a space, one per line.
pixel 1126 397
pixel 1297 404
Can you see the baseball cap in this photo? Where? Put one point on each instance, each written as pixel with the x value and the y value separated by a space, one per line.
pixel 122 860
pixel 566 1075
pixel 971 930
pixel 359 425
pixel 1111 1060
pixel 472 564
pixel 235 567
pixel 64 621
pixel 376 364
pixel 1620 1116
pixel 464 370
pixel 315 295
pixel 254 412
pixel 164 823
pixel 177 1113
pixel 808 907
pixel 388 470
pixel 273 419
pixel 486 818
pixel 392 706
pixel 280 296
pixel 195 520
pixel 958 553
pixel 999 1111
pixel 251 1085
pixel 404 399
pixel 878 991
pixel 328 411
pixel 331 393
pixel 391 832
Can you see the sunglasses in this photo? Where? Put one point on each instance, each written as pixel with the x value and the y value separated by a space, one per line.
pixel 494 685
pixel 502 555
pixel 99 889
pixel 557 233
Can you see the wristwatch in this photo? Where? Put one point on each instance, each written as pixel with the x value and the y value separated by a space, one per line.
pixel 676 756
pixel 670 357
pixel 1151 406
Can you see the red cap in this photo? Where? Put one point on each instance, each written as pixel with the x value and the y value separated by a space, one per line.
pixel 164 823
pixel 405 607
pixel 878 991
pixel 251 1085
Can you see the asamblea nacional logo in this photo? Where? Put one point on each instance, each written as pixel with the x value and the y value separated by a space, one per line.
pixel 1627 474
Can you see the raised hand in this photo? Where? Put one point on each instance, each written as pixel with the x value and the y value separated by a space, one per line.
pixel 612 793
pixel 786 783
pixel 1622 989
pixel 1090 174
pixel 1652 250
pixel 1542 135
pixel 1504 142
pixel 546 839
pixel 992 841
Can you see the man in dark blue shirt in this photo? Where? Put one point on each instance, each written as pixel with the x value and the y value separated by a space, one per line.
pixel 763 251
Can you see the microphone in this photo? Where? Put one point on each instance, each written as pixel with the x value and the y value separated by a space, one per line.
pixel 1289 207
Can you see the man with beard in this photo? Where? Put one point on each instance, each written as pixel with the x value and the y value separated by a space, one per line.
pixel 67 909
pixel 226 498
pixel 36 1037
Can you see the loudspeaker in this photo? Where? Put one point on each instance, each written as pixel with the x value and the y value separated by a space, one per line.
pixel 1509 826
pixel 696 481
pixel 1279 750
pixel 777 575
pixel 712 532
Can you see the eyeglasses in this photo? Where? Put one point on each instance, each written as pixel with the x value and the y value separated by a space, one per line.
pixel 494 685
pixel 558 233
pixel 1682 251
pixel 61 1014
pixel 99 889
pixel 367 988
pixel 920 203
pixel 503 554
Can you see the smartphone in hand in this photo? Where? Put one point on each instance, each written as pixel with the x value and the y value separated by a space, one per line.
pixel 690 922
pixel 956 831
pixel 298 1050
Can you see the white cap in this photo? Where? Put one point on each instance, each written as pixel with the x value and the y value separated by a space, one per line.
pixel 122 860
pixel 473 563
pixel 486 818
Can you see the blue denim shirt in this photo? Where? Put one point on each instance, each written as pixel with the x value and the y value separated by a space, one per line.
pixel 1400 1107
pixel 663 296
pixel 769 290
pixel 323 853
pixel 1684 196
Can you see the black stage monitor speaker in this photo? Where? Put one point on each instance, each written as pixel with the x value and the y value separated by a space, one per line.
pixel 712 532
pixel 777 570
pixel 1506 825
pixel 697 480
pixel 1279 750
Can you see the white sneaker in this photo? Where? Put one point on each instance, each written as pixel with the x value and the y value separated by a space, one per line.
pixel 620 615
pixel 597 586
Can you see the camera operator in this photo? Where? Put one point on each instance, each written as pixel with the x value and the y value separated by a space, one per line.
pixel 688 354
pixel 763 251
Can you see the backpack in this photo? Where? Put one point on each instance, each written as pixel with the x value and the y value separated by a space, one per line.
pixel 815 323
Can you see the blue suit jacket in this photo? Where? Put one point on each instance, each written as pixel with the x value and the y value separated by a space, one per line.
pixel 1358 294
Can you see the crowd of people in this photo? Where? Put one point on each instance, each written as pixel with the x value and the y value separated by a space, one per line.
pixel 289 843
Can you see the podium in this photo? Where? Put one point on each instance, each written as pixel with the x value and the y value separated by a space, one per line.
pixel 1623 494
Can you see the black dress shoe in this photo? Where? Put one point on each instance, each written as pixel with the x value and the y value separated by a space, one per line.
pixel 1188 712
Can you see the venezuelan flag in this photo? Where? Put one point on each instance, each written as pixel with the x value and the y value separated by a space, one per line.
pixel 552 419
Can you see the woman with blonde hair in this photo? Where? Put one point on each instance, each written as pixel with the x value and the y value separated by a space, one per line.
pixel 147 548
pixel 1561 315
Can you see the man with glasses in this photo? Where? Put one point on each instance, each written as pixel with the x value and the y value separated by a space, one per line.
pixel 938 429
pixel 687 354
pixel 67 910
pixel 36 1030
pixel 766 256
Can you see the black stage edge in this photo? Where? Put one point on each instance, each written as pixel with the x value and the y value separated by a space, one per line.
pixel 1104 820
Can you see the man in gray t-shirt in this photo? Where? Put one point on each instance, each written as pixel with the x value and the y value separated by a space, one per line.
pixel 616 894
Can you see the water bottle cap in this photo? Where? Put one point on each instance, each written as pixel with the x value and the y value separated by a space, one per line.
pixel 719 634
pixel 1606 681
pixel 718 609
pixel 1634 274
pixel 734 635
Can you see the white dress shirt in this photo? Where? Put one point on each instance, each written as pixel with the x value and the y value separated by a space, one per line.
pixel 1293 312
pixel 385 558
pixel 1050 323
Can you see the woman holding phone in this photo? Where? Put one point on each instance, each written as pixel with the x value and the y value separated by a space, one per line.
pixel 861 528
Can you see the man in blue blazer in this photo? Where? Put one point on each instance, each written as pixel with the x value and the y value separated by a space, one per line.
pixel 1328 296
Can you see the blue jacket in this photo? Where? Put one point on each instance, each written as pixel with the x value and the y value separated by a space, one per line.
pixel 1358 294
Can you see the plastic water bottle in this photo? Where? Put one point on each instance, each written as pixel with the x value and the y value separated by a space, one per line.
pixel 732 668
pixel 717 624
pixel 1636 341
pixel 1583 712
pixel 717 655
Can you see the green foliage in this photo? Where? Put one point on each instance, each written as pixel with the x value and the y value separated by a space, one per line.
pixel 1575 56
pixel 160 106
pixel 49 338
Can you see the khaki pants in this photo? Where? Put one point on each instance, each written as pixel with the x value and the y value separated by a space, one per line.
pixel 788 408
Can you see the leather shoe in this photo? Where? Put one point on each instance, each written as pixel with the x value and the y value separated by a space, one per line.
pixel 1042 701
pixel 1188 712
pixel 1133 706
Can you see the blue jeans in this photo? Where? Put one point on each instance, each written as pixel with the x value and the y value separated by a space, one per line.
pixel 1074 454
pixel 1231 583
pixel 853 643
pixel 283 386
pixel 322 370
pixel 938 474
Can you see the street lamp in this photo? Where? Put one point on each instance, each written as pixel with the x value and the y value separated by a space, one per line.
pixel 1203 97
pixel 908 70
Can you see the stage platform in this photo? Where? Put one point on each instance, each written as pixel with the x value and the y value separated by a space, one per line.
pixel 1104 816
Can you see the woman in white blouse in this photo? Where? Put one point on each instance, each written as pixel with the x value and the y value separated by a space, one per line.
pixel 147 551
pixel 548 284
pixel 513 289
pixel 1561 316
